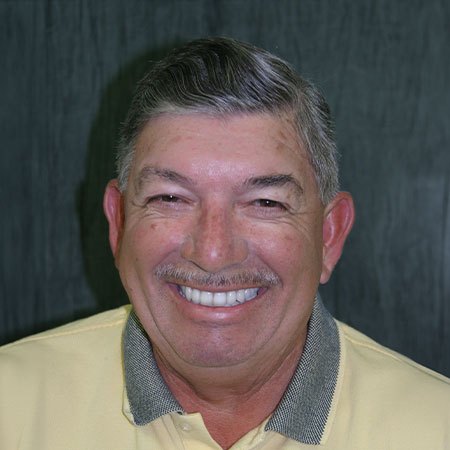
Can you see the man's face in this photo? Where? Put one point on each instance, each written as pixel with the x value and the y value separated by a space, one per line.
pixel 219 238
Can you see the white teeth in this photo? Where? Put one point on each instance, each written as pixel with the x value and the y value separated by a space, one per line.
pixel 195 296
pixel 228 298
pixel 220 299
pixel 231 297
pixel 250 293
pixel 206 298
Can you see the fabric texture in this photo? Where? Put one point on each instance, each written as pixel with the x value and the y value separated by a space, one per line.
pixel 65 389
pixel 148 395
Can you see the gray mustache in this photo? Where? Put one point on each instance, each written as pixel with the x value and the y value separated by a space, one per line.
pixel 180 275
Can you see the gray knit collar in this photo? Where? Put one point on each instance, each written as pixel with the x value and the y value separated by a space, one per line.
pixel 302 412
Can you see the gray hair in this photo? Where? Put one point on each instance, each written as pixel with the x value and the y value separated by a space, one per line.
pixel 222 76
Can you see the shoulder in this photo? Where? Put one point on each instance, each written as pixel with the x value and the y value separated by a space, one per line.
pixel 52 382
pixel 103 320
pixel 371 355
pixel 82 337
pixel 385 400
pixel 389 384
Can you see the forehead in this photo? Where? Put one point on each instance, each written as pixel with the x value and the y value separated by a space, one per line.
pixel 241 144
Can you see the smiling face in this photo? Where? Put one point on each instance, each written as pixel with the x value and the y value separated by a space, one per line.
pixel 221 238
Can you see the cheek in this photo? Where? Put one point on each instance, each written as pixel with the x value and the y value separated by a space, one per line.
pixel 148 242
pixel 291 253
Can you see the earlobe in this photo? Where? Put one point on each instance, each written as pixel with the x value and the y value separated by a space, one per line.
pixel 113 208
pixel 338 221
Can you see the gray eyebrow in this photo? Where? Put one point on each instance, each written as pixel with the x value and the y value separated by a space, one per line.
pixel 147 173
pixel 276 180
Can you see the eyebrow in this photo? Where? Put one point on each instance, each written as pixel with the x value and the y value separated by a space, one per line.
pixel 148 173
pixel 275 180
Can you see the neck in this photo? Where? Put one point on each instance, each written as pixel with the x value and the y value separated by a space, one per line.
pixel 232 400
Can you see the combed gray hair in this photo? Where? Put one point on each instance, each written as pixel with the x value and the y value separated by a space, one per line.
pixel 222 76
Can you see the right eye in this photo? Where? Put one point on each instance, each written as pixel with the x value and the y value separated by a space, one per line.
pixel 164 198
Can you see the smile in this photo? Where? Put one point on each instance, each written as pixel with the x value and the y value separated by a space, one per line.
pixel 227 298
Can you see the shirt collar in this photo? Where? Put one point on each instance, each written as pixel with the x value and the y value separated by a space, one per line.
pixel 303 411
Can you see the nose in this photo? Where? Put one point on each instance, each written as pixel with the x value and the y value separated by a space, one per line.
pixel 214 242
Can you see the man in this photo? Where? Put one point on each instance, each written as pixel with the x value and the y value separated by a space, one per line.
pixel 225 218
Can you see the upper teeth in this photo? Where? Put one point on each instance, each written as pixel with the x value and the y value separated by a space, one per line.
pixel 228 298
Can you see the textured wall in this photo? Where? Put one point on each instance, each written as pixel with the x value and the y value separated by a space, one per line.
pixel 68 68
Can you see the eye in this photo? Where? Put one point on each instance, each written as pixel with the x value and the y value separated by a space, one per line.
pixel 164 198
pixel 267 203
pixel 166 204
pixel 266 208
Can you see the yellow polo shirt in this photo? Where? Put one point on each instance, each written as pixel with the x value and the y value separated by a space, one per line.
pixel 94 384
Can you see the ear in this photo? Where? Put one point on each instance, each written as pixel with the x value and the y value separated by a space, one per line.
pixel 339 216
pixel 113 208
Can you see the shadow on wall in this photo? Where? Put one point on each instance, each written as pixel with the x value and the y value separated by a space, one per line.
pixel 100 271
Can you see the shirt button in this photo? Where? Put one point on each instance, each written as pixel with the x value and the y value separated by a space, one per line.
pixel 185 426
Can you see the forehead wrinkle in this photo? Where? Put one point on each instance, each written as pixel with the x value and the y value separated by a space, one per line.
pixel 274 180
pixel 150 173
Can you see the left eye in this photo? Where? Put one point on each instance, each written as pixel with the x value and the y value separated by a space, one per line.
pixel 267 203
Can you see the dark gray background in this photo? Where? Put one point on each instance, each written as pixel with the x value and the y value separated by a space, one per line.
pixel 67 72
